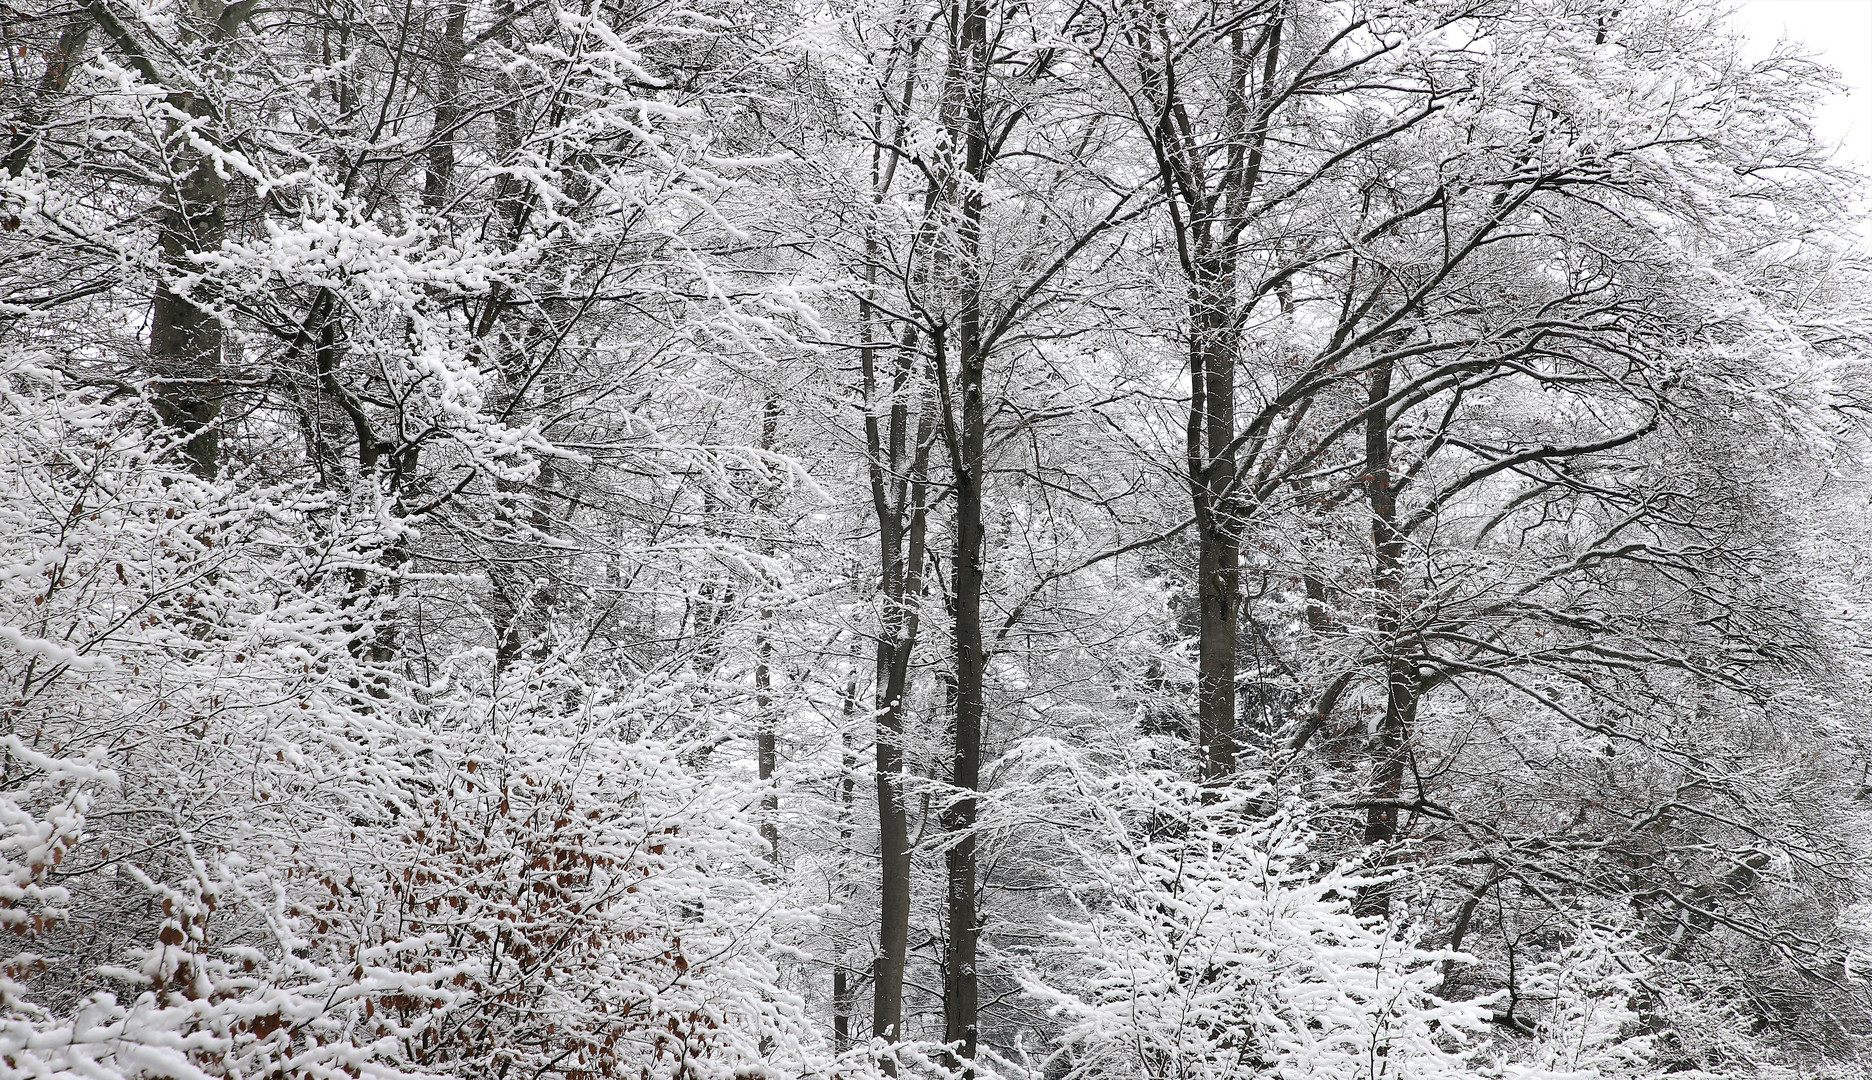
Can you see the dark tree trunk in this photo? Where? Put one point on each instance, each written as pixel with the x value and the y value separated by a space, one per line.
pixel 961 995
pixel 1212 468
pixel 903 559
pixel 440 169
pixel 961 369
pixel 1208 179
pixel 899 428
pixel 58 68
pixel 898 444
pixel 185 335
pixel 1389 742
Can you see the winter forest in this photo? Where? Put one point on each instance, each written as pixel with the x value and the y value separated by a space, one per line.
pixel 930 539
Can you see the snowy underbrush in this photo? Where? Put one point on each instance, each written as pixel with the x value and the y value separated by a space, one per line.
pixel 234 844
pixel 1211 941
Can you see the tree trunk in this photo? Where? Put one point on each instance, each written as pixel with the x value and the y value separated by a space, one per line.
pixel 965 124
pixel 1211 453
pixel 898 430
pixel 848 769
pixel 440 168
pixel 893 666
pixel 58 69
pixel 185 335
pixel 898 445
pixel 961 995
pixel 1209 178
pixel 766 750
pixel 1389 741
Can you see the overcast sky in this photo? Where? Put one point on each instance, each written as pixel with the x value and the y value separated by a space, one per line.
pixel 1840 32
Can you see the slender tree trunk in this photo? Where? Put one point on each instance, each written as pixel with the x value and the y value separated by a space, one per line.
pixel 524 576
pixel 325 420
pixel 1209 178
pixel 894 648
pixel 400 468
pixel 1389 742
pixel 1318 619
pixel 898 438
pixel 965 423
pixel 1212 470
pixel 766 750
pixel 58 69
pixel 899 430
pixel 847 790
pixel 440 169
pixel 961 993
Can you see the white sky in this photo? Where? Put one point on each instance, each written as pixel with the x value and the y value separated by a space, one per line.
pixel 1839 33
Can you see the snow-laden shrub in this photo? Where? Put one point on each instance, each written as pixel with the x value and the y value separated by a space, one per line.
pixel 1211 946
pixel 241 843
